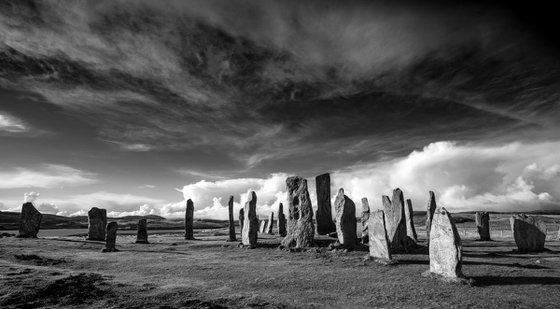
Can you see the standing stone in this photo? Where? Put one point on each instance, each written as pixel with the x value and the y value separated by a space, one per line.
pixel 409 214
pixel 325 224
pixel 483 225
pixel 345 220
pixel 300 215
pixel 365 218
pixel 445 247
pixel 262 228
pixel 189 216
pixel 142 232
pixel 529 233
pixel 395 221
pixel 430 213
pixel 241 218
pixel 281 221
pixel 111 238
pixel 97 223
pixel 249 233
pixel 378 239
pixel 270 225
pixel 29 222
pixel 232 236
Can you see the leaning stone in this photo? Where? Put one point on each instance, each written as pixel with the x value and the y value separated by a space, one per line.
pixel 365 218
pixel 111 239
pixel 409 214
pixel 189 217
pixel 345 220
pixel 250 230
pixel 529 233
pixel 445 248
pixel 396 222
pixel 270 225
pixel 142 232
pixel 378 240
pixel 325 224
pixel 29 222
pixel 300 215
pixel 431 208
pixel 281 221
pixel 262 227
pixel 232 236
pixel 482 219
pixel 97 223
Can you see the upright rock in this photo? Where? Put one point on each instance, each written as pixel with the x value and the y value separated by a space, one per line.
pixel 142 232
pixel 409 214
pixel 529 233
pixel 270 225
pixel 396 222
pixel 97 223
pixel 445 247
pixel 281 221
pixel 241 218
pixel 29 221
pixel 232 236
pixel 249 233
pixel 378 239
pixel 325 224
pixel 189 217
pixel 365 218
pixel 345 220
pixel 111 239
pixel 300 215
pixel 482 219
pixel 431 208
pixel 262 227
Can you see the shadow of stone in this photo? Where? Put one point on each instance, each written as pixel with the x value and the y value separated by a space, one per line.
pixel 514 265
pixel 495 280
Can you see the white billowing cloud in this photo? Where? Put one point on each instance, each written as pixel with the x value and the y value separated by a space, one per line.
pixel 48 208
pixel 11 124
pixel 30 197
pixel 44 176
pixel 512 177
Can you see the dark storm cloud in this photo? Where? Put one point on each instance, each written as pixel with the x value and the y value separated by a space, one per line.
pixel 267 82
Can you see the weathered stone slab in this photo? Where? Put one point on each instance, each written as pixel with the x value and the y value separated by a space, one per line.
pixel 378 239
pixel 325 224
pixel 97 223
pixel 409 215
pixel 281 221
pixel 231 222
pixel 301 229
pixel 345 220
pixel 445 247
pixel 270 223
pixel 529 233
pixel 111 238
pixel 482 219
pixel 29 222
pixel 431 208
pixel 189 218
pixel 364 219
pixel 241 218
pixel 249 234
pixel 262 227
pixel 142 232
pixel 395 222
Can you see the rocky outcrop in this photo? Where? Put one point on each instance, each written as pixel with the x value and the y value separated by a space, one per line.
pixel 345 220
pixel 249 234
pixel 301 229
pixel 189 218
pixel 529 233
pixel 29 222
pixel 482 219
pixel 97 223
pixel 142 232
pixel 325 224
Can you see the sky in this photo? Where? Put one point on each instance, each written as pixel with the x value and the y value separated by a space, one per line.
pixel 135 106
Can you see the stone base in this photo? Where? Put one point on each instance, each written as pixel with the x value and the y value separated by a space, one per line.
pixel 189 238
pixel 95 239
pixel 241 245
pixel 381 261
pixel 109 250
pixel 232 240
pixel 142 242
pixel 25 236
pixel 456 280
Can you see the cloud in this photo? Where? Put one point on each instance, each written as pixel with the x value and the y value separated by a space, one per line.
pixel 44 176
pixel 48 208
pixel 30 197
pixel 11 124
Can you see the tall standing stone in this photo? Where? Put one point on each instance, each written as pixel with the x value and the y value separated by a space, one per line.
pixel 431 208
pixel 111 238
pixel 281 221
pixel 232 236
pixel 142 232
pixel 325 224
pixel 249 233
pixel 445 247
pixel 409 214
pixel 29 222
pixel 378 239
pixel 262 227
pixel 396 222
pixel 529 233
pixel 270 225
pixel 241 218
pixel 345 220
pixel 482 219
pixel 97 223
pixel 300 215
pixel 189 217
pixel 365 218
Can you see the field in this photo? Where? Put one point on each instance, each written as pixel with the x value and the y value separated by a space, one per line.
pixel 170 272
